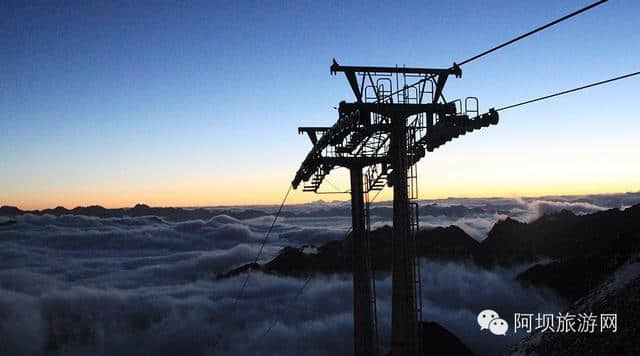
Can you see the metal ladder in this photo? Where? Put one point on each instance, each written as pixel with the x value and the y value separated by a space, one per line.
pixel 414 225
pixel 374 179
pixel 367 219
pixel 316 180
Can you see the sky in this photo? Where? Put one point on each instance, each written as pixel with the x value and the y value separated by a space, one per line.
pixel 198 103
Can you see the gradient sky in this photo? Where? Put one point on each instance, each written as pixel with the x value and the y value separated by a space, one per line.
pixel 198 103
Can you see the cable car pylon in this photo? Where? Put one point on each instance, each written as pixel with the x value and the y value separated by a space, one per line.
pixel 385 132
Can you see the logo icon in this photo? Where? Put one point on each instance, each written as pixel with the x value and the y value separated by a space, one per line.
pixel 490 320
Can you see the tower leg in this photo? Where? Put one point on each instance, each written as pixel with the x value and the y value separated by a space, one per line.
pixel 364 334
pixel 404 331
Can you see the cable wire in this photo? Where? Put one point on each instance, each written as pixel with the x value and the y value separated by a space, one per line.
pixel 375 196
pixel 538 29
pixel 567 91
pixel 337 189
pixel 297 295
pixel 533 31
pixel 264 241
pixel 277 320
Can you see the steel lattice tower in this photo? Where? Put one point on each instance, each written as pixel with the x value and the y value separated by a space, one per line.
pixel 385 132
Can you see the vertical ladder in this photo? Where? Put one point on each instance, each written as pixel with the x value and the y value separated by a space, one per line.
pixel 367 218
pixel 414 224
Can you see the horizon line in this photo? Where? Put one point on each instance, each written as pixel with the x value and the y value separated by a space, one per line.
pixel 315 202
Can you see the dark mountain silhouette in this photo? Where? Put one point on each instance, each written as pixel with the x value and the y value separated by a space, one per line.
pixel 335 256
pixel 9 211
pixel 596 243
pixel 574 276
pixel 183 214
pixel 448 243
pixel 619 293
pixel 170 214
pixel 592 260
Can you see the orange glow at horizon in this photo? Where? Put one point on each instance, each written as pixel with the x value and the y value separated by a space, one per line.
pixel 453 173
pixel 195 196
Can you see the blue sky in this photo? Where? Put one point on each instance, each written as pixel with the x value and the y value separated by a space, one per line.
pixel 197 103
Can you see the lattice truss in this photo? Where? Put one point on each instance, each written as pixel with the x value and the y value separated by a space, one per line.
pixel 361 135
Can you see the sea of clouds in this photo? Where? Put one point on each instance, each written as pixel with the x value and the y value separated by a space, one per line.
pixel 78 285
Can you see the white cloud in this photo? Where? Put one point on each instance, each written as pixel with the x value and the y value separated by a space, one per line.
pixel 147 286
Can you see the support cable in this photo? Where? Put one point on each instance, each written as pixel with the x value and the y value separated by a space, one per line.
pixel 337 189
pixel 264 241
pixel 538 29
pixel 568 91
pixel 297 295
pixel 279 319
pixel 375 196
pixel 532 32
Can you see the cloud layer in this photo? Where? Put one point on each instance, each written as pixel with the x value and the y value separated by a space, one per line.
pixel 75 285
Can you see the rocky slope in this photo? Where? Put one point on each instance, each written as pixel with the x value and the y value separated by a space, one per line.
pixel 598 243
pixel 618 294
